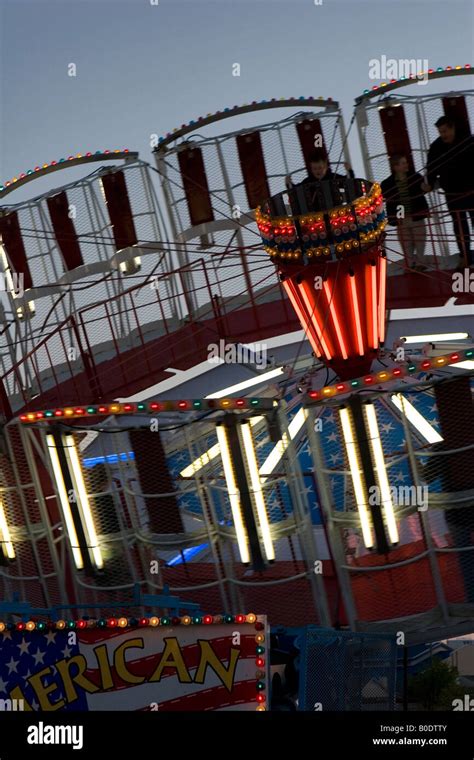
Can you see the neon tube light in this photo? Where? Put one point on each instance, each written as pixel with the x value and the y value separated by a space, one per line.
pixel 381 472
pixel 304 320
pixel 356 475
pixel 64 501
pixel 82 499
pixel 234 496
pixel 356 315
pixel 257 492
pixel 5 536
pixel 337 326
pixel 317 327
pixel 417 420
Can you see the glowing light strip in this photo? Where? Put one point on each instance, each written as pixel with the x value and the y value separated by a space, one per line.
pixel 247 383
pixel 314 321
pixel 434 338
pixel 62 163
pixel 72 458
pixel 356 315
pixel 417 420
pixel 413 78
pixel 373 303
pixel 5 534
pixel 208 456
pixel 63 497
pixel 257 492
pixel 234 496
pixel 382 297
pixel 356 475
pixel 304 320
pixel 333 312
pixel 381 472
pixel 279 449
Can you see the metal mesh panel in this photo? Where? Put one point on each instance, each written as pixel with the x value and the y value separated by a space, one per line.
pixel 93 228
pixel 421 113
pixel 282 154
pixel 347 671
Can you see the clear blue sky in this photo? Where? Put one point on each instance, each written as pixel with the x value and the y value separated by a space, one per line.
pixel 144 69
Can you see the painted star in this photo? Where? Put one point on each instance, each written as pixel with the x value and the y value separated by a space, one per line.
pixel 400 476
pixel 66 651
pixel 3 686
pixel 7 635
pixel 50 637
pixel 335 457
pixel 331 438
pixel 434 422
pixel 433 408
pixel 23 647
pixel 12 665
pixel 387 427
pixel 38 657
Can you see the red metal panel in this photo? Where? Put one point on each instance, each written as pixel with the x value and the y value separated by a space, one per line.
pixel 150 460
pixel 307 130
pixel 193 175
pixel 455 108
pixel 395 132
pixel 252 163
pixel 10 234
pixel 120 212
pixel 63 226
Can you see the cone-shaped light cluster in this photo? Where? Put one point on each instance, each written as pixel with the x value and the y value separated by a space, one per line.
pixel 334 272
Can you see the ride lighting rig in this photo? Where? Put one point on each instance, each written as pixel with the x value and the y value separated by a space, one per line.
pixel 397 372
pixel 332 266
pixel 149 407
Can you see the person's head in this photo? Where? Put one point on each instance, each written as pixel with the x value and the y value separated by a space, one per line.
pixel 446 129
pixel 318 163
pixel 399 164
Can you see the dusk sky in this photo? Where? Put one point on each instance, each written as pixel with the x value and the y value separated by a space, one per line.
pixel 144 69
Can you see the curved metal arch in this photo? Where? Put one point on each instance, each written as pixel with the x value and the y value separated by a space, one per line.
pixel 383 88
pixel 64 163
pixel 237 110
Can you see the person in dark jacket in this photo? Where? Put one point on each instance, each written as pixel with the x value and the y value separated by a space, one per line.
pixel 451 162
pixel 319 171
pixel 407 210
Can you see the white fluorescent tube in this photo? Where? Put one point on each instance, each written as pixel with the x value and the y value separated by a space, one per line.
pixel 257 380
pixel 82 499
pixel 277 452
pixel 208 456
pixel 5 534
pixel 417 420
pixel 381 473
pixel 257 490
pixel 63 498
pixel 354 466
pixel 234 495
pixel 434 338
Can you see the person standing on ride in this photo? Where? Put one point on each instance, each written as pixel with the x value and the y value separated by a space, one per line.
pixel 407 210
pixel 451 161
pixel 320 171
